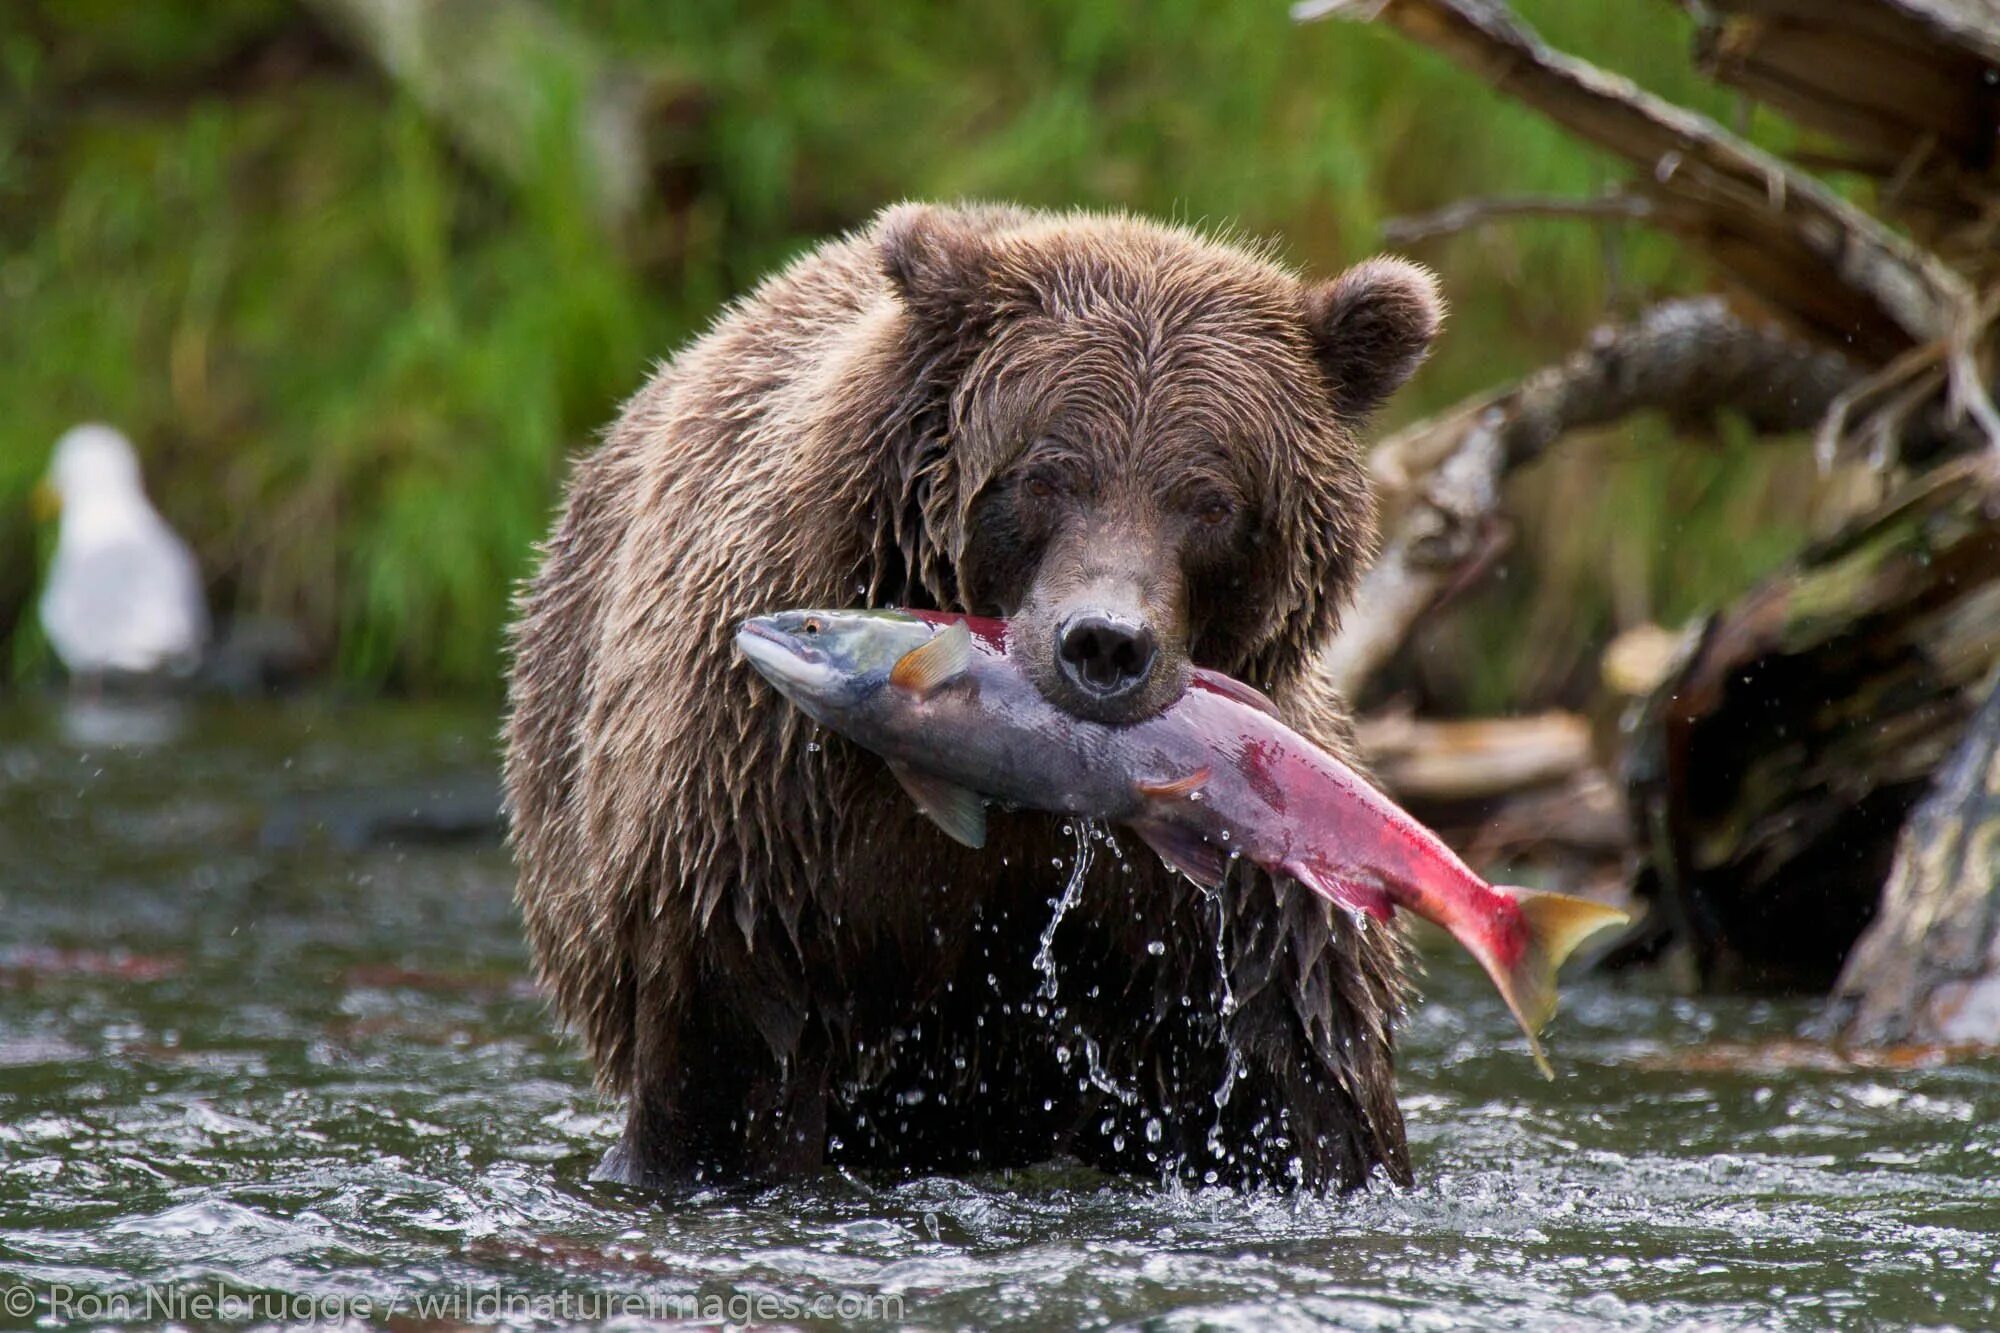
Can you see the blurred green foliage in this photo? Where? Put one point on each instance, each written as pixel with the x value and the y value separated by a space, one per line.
pixel 355 365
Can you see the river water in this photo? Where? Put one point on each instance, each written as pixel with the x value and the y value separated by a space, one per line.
pixel 268 1052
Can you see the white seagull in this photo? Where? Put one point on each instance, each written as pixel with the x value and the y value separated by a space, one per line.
pixel 124 592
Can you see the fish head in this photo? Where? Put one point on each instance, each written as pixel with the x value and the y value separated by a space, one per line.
pixel 830 662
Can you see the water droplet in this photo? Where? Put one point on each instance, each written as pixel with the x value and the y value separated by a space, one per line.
pixel 1156 947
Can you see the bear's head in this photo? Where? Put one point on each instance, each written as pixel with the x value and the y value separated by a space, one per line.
pixel 1145 448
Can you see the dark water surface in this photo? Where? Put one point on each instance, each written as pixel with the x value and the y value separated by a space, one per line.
pixel 254 1052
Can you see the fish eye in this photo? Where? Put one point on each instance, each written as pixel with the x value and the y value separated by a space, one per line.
pixel 812 625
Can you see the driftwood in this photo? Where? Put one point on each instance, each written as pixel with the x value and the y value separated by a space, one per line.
pixel 1441 479
pixel 1839 274
pixel 517 89
pixel 1928 969
pixel 1422 760
pixel 1771 771
pixel 1909 87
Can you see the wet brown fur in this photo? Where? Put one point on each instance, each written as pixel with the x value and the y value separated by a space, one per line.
pixel 769 953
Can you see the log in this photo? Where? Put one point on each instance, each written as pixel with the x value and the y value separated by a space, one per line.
pixel 1440 480
pixel 1769 775
pixel 519 90
pixel 1928 969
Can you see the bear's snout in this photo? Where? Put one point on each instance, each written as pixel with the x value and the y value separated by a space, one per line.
pixel 1108 647
pixel 1107 655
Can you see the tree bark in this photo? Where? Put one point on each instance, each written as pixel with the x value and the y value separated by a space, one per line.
pixel 1928 969
pixel 1770 773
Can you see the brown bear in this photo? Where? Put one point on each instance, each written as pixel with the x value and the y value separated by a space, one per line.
pixel 1139 443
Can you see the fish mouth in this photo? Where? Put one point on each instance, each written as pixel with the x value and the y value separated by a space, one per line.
pixel 788 662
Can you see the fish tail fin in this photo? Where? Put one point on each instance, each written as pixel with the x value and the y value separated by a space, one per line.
pixel 1553 925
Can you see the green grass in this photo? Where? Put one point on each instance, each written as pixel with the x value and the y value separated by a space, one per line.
pixel 355 365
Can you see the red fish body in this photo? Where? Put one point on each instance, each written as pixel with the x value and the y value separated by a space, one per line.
pixel 1214 776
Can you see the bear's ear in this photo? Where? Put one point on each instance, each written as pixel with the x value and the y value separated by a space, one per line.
pixel 940 267
pixel 1371 328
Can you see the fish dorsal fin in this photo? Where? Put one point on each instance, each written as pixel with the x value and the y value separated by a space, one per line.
pixel 936 663
pixel 960 813
pixel 1186 786
pixel 1231 688
pixel 1185 850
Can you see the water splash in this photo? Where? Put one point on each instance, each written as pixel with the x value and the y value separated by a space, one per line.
pixel 1045 958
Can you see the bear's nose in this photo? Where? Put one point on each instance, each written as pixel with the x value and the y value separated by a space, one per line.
pixel 1105 655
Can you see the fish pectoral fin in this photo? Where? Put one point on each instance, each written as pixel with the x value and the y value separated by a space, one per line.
pixel 959 812
pixel 935 663
pixel 1193 782
pixel 1185 850
pixel 1343 893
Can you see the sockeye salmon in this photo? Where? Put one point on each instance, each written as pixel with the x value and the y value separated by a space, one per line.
pixel 1214 776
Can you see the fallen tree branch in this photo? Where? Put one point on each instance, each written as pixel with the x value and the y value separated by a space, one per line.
pixel 1469 213
pixel 1840 275
pixel 1441 479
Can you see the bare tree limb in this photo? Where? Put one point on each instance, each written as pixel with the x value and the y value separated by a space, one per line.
pixel 1839 274
pixel 1469 213
pixel 1441 479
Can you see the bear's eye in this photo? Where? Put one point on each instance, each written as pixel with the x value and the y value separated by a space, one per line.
pixel 1040 487
pixel 1215 510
